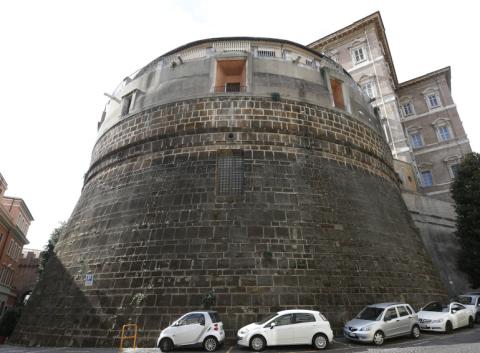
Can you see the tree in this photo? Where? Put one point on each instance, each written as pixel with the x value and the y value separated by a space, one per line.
pixel 466 193
pixel 48 251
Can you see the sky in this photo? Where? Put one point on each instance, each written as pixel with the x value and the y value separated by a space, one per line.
pixel 59 57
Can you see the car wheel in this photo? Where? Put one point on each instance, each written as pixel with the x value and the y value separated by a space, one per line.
pixel 166 345
pixel 320 341
pixel 415 331
pixel 378 338
pixel 448 327
pixel 210 344
pixel 257 343
pixel 471 322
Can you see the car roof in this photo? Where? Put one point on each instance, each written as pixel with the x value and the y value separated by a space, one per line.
pixel 293 311
pixel 384 305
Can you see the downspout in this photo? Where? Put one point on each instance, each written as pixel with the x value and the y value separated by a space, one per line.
pixel 381 95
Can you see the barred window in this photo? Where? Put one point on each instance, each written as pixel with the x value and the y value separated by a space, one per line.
pixel 230 178
pixel 266 53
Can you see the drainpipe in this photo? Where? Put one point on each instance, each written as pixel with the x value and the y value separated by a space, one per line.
pixel 381 95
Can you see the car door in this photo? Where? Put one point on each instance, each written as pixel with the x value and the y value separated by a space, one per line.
pixel 460 313
pixel 189 329
pixel 304 328
pixel 391 324
pixel 405 320
pixel 282 333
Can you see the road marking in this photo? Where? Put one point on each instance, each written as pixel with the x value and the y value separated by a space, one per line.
pixel 229 349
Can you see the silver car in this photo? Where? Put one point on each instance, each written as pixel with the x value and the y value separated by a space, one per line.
pixel 377 322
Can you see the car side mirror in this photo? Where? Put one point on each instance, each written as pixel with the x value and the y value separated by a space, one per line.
pixel 454 311
pixel 272 325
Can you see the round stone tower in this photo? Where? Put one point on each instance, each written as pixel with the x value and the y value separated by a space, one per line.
pixel 242 174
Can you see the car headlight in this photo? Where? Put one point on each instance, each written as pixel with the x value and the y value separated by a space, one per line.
pixel 243 331
pixel 366 328
pixel 437 321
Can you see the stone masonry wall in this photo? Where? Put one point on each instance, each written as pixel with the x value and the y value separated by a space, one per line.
pixel 309 215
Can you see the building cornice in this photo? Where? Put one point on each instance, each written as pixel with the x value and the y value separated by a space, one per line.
pixel 23 205
pixel 375 19
pixel 15 231
pixel 443 71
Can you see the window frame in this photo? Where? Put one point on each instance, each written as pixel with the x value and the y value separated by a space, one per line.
pixel 446 129
pixel 420 139
pixel 432 93
pixel 422 173
pixel 363 50
pixel 411 109
pixel 304 322
pixel 371 86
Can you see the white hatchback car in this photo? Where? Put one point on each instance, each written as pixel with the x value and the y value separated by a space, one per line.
pixel 436 316
pixel 287 327
pixel 199 328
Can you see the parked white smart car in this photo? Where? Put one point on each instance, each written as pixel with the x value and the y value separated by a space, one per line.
pixel 199 328
pixel 287 327
pixel 445 317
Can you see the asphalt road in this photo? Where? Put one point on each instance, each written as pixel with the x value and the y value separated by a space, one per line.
pixel 461 341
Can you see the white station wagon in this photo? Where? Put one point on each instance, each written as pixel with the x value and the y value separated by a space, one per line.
pixel 287 327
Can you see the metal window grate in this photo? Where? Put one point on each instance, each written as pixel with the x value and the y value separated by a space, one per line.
pixel 266 53
pixel 230 177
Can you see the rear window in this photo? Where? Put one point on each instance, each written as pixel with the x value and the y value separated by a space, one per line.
pixel 402 311
pixel 303 317
pixel 214 316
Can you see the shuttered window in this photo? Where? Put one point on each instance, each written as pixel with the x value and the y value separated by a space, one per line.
pixel 337 93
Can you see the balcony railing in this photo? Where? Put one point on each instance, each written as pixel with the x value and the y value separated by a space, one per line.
pixel 230 89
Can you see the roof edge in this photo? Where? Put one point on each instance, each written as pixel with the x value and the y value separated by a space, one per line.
pixel 375 18
pixel 22 204
pixel 443 71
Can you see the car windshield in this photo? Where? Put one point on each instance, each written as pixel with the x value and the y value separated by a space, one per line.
pixel 437 307
pixel 370 313
pixel 466 300
pixel 266 318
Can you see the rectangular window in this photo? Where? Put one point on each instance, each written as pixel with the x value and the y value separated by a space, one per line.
pixel 433 101
pixel 230 76
pixel 407 109
pixel 337 93
pixel 443 133
pixel 368 89
pixel 266 53
pixel 126 104
pixel 454 170
pixel 402 311
pixel 358 55
pixel 427 179
pixel 230 177
pixel 416 140
pixel 301 318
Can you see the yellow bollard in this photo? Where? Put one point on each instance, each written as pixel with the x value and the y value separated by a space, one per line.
pixel 125 329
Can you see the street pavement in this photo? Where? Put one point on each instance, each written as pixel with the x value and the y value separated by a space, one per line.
pixel 461 341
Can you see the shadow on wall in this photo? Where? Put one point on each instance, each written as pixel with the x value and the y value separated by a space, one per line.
pixel 72 319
